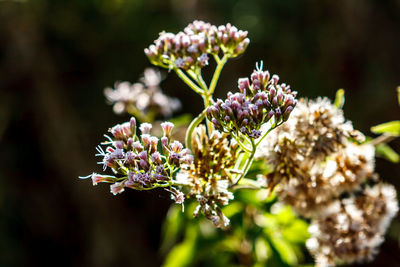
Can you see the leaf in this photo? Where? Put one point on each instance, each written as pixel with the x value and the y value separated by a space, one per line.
pixel 284 249
pixel 171 227
pixel 385 151
pixel 297 232
pixel 391 127
pixel 339 99
pixel 183 254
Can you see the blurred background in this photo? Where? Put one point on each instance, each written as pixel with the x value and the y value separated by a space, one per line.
pixel 57 56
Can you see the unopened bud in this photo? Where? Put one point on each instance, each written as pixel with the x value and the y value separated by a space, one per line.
pixel 145 128
pixel 167 128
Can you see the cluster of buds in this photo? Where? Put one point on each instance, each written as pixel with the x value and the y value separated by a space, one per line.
pixel 145 97
pixel 350 230
pixel 226 38
pixel 190 49
pixel 137 162
pixel 211 173
pixel 257 103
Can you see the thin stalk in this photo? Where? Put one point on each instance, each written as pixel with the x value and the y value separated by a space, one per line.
pixel 246 183
pixel 210 125
pixel 382 139
pixel 199 79
pixel 217 73
pixel 268 131
pixel 196 121
pixel 249 161
pixel 188 81
pixel 243 146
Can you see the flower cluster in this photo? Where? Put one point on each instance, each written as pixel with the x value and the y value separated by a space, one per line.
pixel 257 103
pixel 211 173
pixel 350 230
pixel 145 97
pixel 312 159
pixel 190 49
pixel 137 161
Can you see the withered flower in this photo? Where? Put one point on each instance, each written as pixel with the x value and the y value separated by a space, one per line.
pixel 350 230
pixel 210 174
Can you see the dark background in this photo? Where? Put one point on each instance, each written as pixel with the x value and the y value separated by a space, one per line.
pixel 57 56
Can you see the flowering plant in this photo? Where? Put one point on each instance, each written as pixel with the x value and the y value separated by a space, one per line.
pixel 303 157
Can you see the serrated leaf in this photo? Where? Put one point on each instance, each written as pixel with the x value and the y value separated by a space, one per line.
pixel 391 127
pixel 339 99
pixel 385 151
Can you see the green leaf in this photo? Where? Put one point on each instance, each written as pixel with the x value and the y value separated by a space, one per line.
pixel 183 254
pixel 297 232
pixel 171 227
pixel 391 127
pixel 385 151
pixel 285 250
pixel 339 99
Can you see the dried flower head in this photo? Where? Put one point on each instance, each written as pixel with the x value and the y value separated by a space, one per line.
pixel 145 97
pixel 190 49
pixel 308 174
pixel 137 162
pixel 256 103
pixel 350 230
pixel 310 186
pixel 210 174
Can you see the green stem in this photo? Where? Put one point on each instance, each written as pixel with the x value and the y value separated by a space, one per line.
pixel 199 79
pixel 249 161
pixel 196 121
pixel 243 146
pixel 217 73
pixel 188 81
pixel 267 132
pixel 246 183
pixel 210 125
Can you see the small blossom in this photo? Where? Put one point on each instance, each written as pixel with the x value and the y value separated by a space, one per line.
pixel 145 96
pixel 145 128
pixel 117 188
pixel 167 128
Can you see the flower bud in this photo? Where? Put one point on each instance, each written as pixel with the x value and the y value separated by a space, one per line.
pixel 164 143
pixel 117 188
pixel 176 146
pixel 167 128
pixel 243 84
pixel 278 112
pixel 119 144
pixel 117 132
pixel 287 112
pixel 156 158
pixel 145 128
pixel 133 125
